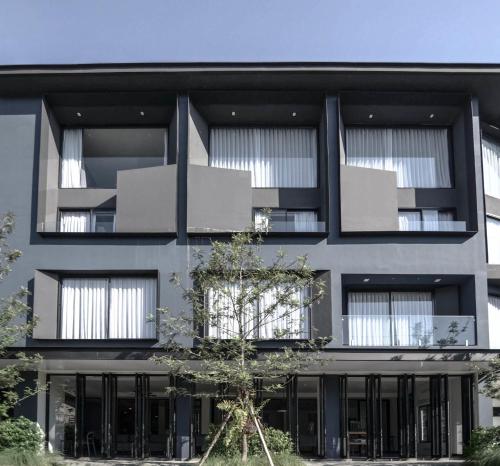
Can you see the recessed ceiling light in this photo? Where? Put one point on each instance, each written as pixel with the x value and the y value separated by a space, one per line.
pixel 366 280
pixel 233 113
pixel 370 116
pixel 142 113
pixel 437 280
pixel 78 114
pixel 294 114
pixel 431 116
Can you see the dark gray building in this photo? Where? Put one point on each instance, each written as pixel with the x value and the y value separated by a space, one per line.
pixel 115 173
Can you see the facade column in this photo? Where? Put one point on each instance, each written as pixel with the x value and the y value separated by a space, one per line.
pixel 331 416
pixel 183 412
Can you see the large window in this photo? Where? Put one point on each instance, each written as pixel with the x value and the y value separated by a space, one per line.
pixel 428 220
pixel 494 320
pixel 493 239
pixel 287 321
pixel 287 220
pixel 102 308
pixel 277 157
pixel 491 167
pixel 419 156
pixel 92 157
pixel 87 221
pixel 397 318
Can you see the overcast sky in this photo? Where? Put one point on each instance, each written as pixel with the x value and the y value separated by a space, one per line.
pixel 121 31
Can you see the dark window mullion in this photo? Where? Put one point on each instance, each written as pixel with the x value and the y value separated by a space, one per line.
pixel 108 306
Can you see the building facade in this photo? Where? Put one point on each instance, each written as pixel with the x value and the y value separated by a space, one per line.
pixel 387 177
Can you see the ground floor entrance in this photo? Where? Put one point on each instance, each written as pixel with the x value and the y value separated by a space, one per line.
pixel 352 416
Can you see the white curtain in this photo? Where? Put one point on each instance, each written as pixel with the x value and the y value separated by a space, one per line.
pixel 72 170
pixel 222 305
pixel 426 220
pixel 419 156
pixel 83 308
pixel 494 321
pixel 491 167
pixel 369 319
pixel 412 318
pixel 493 238
pixel 409 220
pixel 277 157
pixel 290 321
pixel 74 222
pixel 305 220
pixel 132 303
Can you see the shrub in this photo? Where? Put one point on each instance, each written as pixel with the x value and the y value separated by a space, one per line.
pixel 278 442
pixel 279 460
pixel 482 440
pixel 20 434
pixel 13 457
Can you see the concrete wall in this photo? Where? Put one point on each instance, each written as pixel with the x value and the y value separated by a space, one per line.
pixel 46 304
pixel 218 200
pixel 368 199
pixel 199 135
pixel 146 200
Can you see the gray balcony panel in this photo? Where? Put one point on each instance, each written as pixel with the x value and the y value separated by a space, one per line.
pixel 369 199
pixel 146 200
pixel 45 304
pixel 219 200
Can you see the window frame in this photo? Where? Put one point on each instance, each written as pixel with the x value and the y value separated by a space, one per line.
pixel 108 278
pixel 92 212
pixel 449 134
pixel 206 330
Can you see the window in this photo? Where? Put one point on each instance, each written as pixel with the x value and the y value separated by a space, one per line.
pixel 491 167
pixel 424 416
pixel 286 322
pixel 428 220
pixel 419 156
pixel 494 321
pixel 95 221
pixel 397 318
pixel 92 157
pixel 285 220
pixel 493 239
pixel 277 157
pixel 104 308
pixel 496 411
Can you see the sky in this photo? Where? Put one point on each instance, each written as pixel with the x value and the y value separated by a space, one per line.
pixel 172 31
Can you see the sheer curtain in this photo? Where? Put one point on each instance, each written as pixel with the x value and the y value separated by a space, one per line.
pixel 277 157
pixel 287 321
pixel 493 238
pixel 491 167
pixel 494 321
pixel 221 305
pixel 426 220
pixel 369 319
pixel 305 220
pixel 132 302
pixel 419 156
pixel 74 222
pixel 83 308
pixel 72 170
pixel 412 317
pixel 409 220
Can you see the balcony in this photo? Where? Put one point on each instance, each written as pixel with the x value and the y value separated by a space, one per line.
pixel 440 225
pixel 407 330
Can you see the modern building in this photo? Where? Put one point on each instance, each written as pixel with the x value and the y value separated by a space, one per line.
pixel 386 176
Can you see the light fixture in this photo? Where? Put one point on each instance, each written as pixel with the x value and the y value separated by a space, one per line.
pixel 370 116
pixel 294 114
pixel 366 280
pixel 233 113
pixel 142 113
pixel 437 280
pixel 78 114
pixel 494 127
pixel 431 116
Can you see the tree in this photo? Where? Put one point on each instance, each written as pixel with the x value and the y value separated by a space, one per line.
pixel 489 377
pixel 14 325
pixel 234 296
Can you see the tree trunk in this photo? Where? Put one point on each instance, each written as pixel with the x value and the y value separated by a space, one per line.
pixel 214 440
pixel 261 436
pixel 244 448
